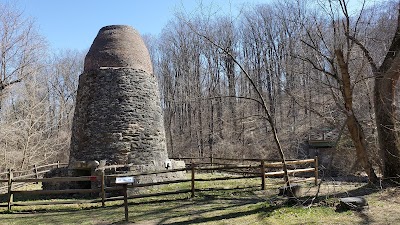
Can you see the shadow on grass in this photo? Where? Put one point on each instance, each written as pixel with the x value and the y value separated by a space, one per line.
pixel 64 217
pixel 265 210
pixel 232 215
pixel 36 197
pixel 207 204
pixel 361 191
pixel 232 204
pixel 65 208
pixel 79 208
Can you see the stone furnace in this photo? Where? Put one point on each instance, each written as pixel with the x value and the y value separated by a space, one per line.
pixel 118 116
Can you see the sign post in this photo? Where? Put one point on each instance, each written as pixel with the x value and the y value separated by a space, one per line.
pixel 124 181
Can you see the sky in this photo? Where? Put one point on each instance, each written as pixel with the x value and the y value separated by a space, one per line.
pixel 73 24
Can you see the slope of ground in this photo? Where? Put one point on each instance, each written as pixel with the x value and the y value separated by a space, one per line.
pixel 234 206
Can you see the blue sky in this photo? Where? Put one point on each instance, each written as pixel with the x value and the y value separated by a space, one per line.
pixel 73 24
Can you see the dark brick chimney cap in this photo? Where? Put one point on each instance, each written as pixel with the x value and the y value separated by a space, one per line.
pixel 118 46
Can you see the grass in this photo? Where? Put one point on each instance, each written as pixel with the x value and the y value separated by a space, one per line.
pixel 248 205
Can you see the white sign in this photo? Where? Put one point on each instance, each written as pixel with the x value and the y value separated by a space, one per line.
pixel 124 180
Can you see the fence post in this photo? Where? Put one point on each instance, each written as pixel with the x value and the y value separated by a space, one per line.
pixel 316 170
pixel 125 186
pixel 212 162
pixel 262 175
pixel 103 193
pixel 10 195
pixel 58 164
pixel 36 173
pixel 192 165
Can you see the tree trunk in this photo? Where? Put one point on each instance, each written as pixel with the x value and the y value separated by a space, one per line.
pixel 385 111
pixel 354 127
pixel 170 132
pixel 200 135
pixel 358 138
pixel 230 73
pixel 211 128
pixel 386 77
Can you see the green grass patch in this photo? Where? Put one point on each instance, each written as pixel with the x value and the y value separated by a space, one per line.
pixel 233 202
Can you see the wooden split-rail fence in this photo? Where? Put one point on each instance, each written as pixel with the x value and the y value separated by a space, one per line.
pixel 257 169
pixel 34 171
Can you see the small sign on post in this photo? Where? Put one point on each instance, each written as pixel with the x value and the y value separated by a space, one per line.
pixel 124 181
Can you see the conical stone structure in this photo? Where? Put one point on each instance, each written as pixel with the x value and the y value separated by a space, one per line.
pixel 118 116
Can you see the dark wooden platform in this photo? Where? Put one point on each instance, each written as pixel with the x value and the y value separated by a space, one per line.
pixel 321 144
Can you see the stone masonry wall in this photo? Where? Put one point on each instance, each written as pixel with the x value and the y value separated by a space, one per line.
pixel 118 118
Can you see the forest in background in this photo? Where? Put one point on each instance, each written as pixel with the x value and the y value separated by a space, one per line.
pixel 316 65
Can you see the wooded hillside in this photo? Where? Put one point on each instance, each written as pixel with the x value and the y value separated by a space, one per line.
pixel 322 67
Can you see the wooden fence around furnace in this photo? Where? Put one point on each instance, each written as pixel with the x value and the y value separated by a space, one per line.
pixel 256 170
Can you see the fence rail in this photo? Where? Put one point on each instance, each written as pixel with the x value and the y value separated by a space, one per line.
pixel 258 170
pixel 35 171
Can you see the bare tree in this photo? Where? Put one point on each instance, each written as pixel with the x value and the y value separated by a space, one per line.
pixel 226 36
pixel 334 58
pixel 36 124
pixel 386 77
pixel 20 47
pixel 62 73
pixel 288 64
pixel 180 73
pixel 260 98
pixel 27 138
